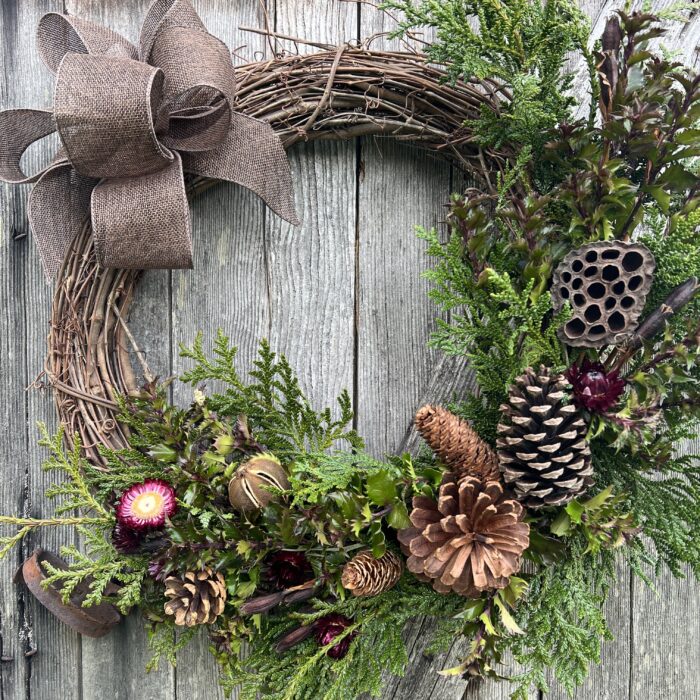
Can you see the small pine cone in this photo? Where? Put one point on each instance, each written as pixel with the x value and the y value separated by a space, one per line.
pixel 365 575
pixel 468 541
pixel 198 598
pixel 542 448
pixel 456 443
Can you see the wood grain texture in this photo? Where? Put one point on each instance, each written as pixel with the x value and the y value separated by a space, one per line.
pixel 341 296
pixel 57 661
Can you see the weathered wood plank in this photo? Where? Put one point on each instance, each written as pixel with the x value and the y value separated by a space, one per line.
pixel 227 287
pixel 14 456
pixel 257 276
pixel 401 187
pixel 311 276
pixel 114 666
pixel 27 83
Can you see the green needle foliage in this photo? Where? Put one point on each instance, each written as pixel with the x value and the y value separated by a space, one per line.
pixel 306 673
pixel 563 620
pixel 520 44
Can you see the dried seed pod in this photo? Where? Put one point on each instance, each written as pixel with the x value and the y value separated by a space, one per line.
pixel 606 283
pixel 249 489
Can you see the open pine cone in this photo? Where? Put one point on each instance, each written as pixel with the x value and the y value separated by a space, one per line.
pixel 469 541
pixel 197 598
pixel 456 443
pixel 542 444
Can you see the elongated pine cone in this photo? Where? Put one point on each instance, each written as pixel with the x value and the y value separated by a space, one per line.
pixel 197 598
pixel 456 443
pixel 365 575
pixel 542 446
pixel 470 541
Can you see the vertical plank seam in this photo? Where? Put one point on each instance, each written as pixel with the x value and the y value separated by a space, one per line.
pixel 631 649
pixel 171 368
pixel 356 301
pixel 25 498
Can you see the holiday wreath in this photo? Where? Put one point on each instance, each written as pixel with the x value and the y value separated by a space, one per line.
pixel 571 276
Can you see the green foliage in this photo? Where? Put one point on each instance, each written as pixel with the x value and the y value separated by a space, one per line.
pixel 306 673
pixel 641 153
pixel 601 519
pixel 520 44
pixel 563 620
pixel 273 401
pixel 500 328
pixel 677 255
pixel 664 497
pixel 108 575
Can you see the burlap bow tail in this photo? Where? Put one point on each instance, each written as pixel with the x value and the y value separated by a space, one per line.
pixel 130 122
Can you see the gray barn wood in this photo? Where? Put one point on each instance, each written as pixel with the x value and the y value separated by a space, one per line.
pixel 342 296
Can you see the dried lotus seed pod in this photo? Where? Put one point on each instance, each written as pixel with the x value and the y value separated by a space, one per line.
pixel 606 283
pixel 249 489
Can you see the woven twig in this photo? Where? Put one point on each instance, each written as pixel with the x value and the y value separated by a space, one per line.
pixel 334 94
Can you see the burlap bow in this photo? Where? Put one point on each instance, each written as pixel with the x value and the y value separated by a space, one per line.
pixel 130 122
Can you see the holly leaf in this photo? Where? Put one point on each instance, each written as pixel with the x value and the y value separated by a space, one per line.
pixel 381 488
pixel 575 511
pixel 598 500
pixel 561 526
pixel 506 618
pixel 472 609
pixel 398 516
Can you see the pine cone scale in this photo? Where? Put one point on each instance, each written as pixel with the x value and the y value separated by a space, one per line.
pixel 456 443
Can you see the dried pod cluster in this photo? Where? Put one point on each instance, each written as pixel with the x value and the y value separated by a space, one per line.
pixel 606 283
pixel 365 575
pixel 542 444
pixel 252 483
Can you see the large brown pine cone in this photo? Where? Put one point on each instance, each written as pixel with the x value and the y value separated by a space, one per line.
pixel 542 446
pixel 469 541
pixel 365 575
pixel 197 598
pixel 456 443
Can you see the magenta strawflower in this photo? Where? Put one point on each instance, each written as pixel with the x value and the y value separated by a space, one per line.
pixel 595 389
pixel 327 628
pixel 146 506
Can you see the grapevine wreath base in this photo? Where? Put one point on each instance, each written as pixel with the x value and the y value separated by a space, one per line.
pixel 329 95
pixel 570 282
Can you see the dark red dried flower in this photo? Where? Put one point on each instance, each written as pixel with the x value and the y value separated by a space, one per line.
pixel 156 569
pixel 126 540
pixel 327 628
pixel 595 389
pixel 288 569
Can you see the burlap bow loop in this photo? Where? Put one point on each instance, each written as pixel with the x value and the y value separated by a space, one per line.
pixel 130 123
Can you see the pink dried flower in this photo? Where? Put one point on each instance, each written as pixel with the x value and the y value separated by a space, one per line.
pixel 146 506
